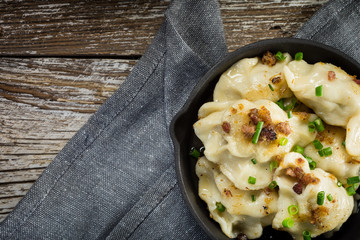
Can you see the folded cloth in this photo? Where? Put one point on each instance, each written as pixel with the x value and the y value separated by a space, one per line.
pixel 115 178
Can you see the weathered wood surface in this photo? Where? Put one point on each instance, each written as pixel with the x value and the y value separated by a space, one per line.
pixel 48 90
pixel 126 28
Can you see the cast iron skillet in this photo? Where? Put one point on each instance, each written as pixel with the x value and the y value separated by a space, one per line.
pixel 184 138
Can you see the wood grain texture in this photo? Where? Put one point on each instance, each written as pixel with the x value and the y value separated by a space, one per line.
pixel 60 60
pixel 43 103
pixel 126 28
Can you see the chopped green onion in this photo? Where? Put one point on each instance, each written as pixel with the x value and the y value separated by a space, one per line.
pixel 317 144
pixel 253 198
pixel 273 185
pixel 350 190
pixel 343 143
pixel 312 163
pixel 194 152
pixel 353 180
pixel 320 198
pixel 283 141
pixel 251 180
pixel 271 87
pixel 293 209
pixel 326 151
pixel 298 56
pixel 288 223
pixel 311 126
pixel 253 161
pixel 280 103
pixel 307 235
pixel 298 149
pixel 329 197
pixel 319 91
pixel 339 183
pixel 290 104
pixel 255 138
pixel 319 125
pixel 220 207
pixel 280 56
pixel 321 152
pixel 290 114
pixel 273 165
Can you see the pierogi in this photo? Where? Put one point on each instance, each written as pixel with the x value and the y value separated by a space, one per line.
pixel 282 147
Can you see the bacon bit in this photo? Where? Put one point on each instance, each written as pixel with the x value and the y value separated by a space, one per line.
pixel 299 173
pixel 290 172
pixel 357 81
pixel 298 188
pixel 248 130
pixel 276 80
pixel 309 179
pixel 254 115
pixel 242 236
pixel 226 127
pixel 331 75
pixel 264 115
pixel 300 161
pixel 267 134
pixel 268 59
pixel 283 127
pixel 228 193
pixel 233 110
pixel 267 191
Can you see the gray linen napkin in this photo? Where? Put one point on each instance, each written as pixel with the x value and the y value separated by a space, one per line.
pixel 115 178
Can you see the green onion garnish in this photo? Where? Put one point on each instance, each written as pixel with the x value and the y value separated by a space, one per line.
pixel 273 185
pixel 329 197
pixel 283 141
pixel 288 223
pixel 273 165
pixel 339 183
pixel 307 235
pixel 255 138
pixel 298 149
pixel 353 180
pixel 251 180
pixel 293 209
pixel 253 198
pixel 271 87
pixel 319 91
pixel 319 125
pixel 280 56
pixel 350 190
pixel 312 163
pixel 194 152
pixel 290 114
pixel 320 198
pixel 298 56
pixel 326 151
pixel 343 143
pixel 280 103
pixel 290 105
pixel 253 161
pixel 311 126
pixel 317 144
pixel 220 207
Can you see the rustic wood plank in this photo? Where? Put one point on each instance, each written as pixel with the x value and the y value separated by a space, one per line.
pixel 126 28
pixel 250 21
pixel 70 27
pixel 43 103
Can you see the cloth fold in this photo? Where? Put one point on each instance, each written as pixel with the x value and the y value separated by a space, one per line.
pixel 115 178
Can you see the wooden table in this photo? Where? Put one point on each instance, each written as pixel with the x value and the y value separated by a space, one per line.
pixel 60 60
